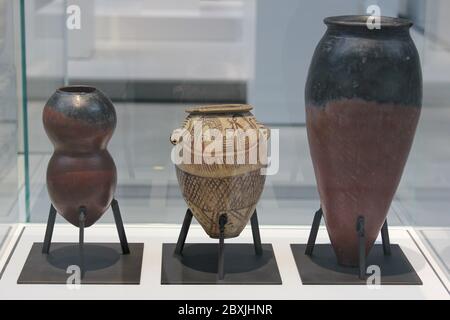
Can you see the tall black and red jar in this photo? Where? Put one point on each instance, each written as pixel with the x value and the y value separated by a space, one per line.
pixel 363 98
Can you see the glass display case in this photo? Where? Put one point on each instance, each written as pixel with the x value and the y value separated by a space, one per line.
pixel 12 192
pixel 154 59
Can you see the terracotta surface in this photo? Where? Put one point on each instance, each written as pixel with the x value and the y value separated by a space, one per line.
pixel 214 189
pixel 359 150
pixel 80 122
pixel 208 198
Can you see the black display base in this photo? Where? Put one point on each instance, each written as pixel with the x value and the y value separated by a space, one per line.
pixel 198 264
pixel 321 268
pixel 104 263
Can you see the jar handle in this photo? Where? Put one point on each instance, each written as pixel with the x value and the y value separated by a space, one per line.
pixel 176 136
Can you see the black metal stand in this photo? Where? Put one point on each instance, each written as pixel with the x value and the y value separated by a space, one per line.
pixel 361 240
pixel 183 233
pixel 361 246
pixel 220 267
pixel 120 228
pixel 82 220
pixel 221 250
pixel 49 230
pixel 256 235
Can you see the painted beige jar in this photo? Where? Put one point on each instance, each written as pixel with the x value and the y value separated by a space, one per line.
pixel 216 181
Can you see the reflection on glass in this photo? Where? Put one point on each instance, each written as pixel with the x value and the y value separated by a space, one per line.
pixel 8 121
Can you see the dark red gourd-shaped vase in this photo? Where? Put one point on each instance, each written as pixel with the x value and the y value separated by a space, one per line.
pixel 363 101
pixel 80 120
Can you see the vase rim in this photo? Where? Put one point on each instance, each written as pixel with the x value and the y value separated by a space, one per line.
pixel 361 21
pixel 220 108
pixel 77 89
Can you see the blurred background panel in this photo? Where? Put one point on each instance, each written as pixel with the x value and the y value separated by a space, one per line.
pixel 10 107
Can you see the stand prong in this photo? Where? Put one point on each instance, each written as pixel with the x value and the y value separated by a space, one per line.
pixel 119 226
pixel 361 247
pixel 49 230
pixel 184 232
pixel 220 269
pixel 360 229
pixel 82 220
pixel 385 239
pixel 256 235
pixel 313 233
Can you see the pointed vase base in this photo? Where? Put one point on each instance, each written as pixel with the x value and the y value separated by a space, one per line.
pixel 321 268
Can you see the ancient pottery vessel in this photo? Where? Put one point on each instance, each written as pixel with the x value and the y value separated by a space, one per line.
pixel 80 120
pixel 363 100
pixel 231 187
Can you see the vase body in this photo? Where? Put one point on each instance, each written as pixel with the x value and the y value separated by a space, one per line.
pixel 363 98
pixel 214 189
pixel 80 121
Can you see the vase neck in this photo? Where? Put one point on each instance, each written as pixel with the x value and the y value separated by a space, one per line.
pixel 368 26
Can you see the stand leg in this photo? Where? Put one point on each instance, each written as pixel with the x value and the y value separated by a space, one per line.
pixel 82 219
pixel 361 247
pixel 120 228
pixel 220 269
pixel 49 230
pixel 256 235
pixel 313 233
pixel 385 239
pixel 184 232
